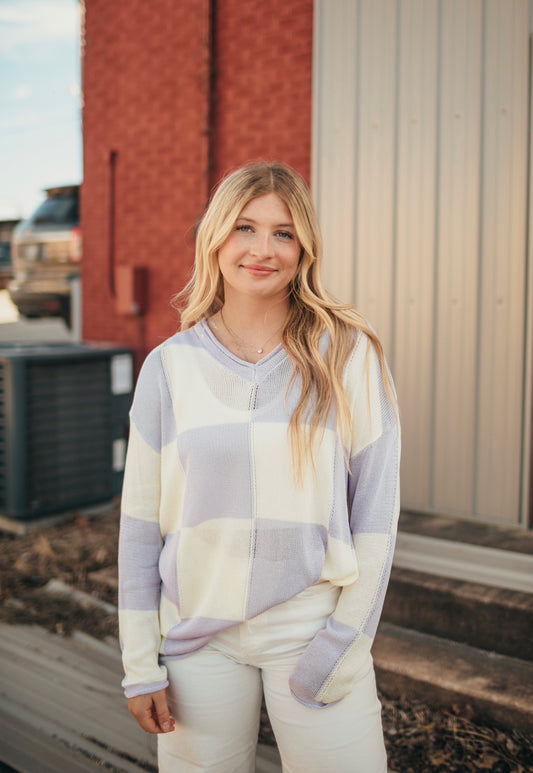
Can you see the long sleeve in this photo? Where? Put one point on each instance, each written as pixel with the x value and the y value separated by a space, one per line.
pixel 328 668
pixel 140 537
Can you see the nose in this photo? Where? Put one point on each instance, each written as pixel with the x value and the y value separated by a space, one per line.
pixel 262 245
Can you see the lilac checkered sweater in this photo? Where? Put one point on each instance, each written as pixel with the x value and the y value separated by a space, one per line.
pixel 214 529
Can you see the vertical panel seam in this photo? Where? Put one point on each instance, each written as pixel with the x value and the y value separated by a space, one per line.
pixel 433 374
pixel 525 487
pixel 479 300
pixel 357 113
pixel 394 240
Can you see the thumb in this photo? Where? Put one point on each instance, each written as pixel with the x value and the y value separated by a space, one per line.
pixel 164 719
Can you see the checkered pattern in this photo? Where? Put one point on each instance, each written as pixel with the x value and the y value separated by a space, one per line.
pixel 214 528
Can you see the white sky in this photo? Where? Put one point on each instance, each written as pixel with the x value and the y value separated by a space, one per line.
pixel 40 111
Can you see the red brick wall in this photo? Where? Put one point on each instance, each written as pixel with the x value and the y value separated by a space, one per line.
pixel 263 83
pixel 177 119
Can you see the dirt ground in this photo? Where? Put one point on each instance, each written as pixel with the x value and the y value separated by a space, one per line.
pixel 81 553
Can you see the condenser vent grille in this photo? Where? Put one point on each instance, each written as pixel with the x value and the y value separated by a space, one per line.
pixel 68 420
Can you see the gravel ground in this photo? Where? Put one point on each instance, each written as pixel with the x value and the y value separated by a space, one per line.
pixel 82 553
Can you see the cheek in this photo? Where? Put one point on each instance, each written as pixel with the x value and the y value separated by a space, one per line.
pixel 230 251
pixel 224 256
pixel 293 260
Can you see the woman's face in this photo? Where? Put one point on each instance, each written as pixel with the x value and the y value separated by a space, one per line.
pixel 260 256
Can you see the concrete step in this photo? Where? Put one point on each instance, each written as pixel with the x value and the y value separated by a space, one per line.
pixel 450 529
pixel 489 618
pixel 443 673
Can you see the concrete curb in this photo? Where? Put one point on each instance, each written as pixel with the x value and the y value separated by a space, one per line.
pixel 443 673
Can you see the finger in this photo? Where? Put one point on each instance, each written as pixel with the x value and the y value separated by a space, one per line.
pixel 162 713
pixel 149 723
pixel 142 709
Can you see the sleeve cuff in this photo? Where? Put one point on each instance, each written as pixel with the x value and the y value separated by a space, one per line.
pixel 132 690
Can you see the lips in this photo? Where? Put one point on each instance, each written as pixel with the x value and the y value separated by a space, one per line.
pixel 257 270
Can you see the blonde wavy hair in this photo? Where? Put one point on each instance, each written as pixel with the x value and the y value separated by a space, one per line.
pixel 312 311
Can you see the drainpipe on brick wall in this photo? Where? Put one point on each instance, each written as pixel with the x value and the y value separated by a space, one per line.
pixel 113 155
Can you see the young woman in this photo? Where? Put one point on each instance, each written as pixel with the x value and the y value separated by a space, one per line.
pixel 260 502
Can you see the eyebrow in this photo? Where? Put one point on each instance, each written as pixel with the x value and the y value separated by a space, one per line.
pixel 279 225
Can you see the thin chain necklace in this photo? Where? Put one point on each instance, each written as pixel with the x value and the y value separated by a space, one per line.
pixel 242 342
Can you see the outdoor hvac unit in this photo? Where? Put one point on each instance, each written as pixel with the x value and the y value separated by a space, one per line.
pixel 63 426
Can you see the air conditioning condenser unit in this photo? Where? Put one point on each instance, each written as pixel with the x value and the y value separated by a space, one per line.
pixel 63 426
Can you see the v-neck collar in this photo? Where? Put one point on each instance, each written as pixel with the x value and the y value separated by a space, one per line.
pixel 249 370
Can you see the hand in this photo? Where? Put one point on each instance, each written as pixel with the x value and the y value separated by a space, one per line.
pixel 151 712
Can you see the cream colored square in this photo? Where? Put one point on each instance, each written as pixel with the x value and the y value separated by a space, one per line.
pixel 357 600
pixel 340 565
pixel 172 489
pixel 169 615
pixel 204 393
pixel 278 496
pixel 213 568
pixel 141 491
pixel 343 677
pixel 367 423
pixel 363 384
pixel 139 631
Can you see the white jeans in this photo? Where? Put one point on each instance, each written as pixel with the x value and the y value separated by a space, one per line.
pixel 215 697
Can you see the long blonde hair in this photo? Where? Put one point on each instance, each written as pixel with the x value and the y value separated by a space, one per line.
pixel 312 311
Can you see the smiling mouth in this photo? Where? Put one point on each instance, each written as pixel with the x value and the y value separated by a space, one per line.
pixel 258 270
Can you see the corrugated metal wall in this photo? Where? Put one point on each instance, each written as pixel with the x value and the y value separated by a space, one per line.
pixel 421 137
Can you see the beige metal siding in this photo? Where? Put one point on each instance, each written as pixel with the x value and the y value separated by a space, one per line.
pixel 457 257
pixel 336 128
pixel 375 143
pixel 503 249
pixel 415 191
pixel 422 196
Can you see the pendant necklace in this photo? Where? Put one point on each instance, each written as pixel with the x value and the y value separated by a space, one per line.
pixel 242 342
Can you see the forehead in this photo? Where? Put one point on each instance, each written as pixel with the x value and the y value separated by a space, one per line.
pixel 269 207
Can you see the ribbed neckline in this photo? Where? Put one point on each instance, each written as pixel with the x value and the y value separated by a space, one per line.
pixel 232 361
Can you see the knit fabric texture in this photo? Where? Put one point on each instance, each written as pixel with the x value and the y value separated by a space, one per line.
pixel 215 529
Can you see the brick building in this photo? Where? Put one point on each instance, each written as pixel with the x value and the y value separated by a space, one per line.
pixel 412 123
pixel 176 94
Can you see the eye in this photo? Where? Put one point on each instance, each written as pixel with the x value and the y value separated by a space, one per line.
pixel 244 228
pixel 285 234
